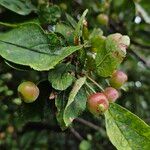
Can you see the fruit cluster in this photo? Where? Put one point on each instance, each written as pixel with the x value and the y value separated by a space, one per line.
pixel 98 103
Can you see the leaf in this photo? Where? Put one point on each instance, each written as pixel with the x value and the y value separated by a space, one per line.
pixel 125 130
pixel 76 101
pixel 60 77
pixel 146 6
pixel 143 13
pixel 29 45
pixel 56 43
pixel 96 32
pixel 22 7
pixel 66 31
pixel 71 20
pixel 79 26
pixel 18 67
pixel 60 103
pixel 109 55
pixel 49 15
pixel 97 43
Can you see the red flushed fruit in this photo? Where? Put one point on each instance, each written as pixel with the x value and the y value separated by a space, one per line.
pixel 118 79
pixel 97 103
pixel 111 93
pixel 28 91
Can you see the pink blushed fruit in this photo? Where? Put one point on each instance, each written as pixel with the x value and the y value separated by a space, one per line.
pixel 111 93
pixel 118 79
pixel 97 103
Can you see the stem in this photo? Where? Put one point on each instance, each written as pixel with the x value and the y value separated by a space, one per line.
pixel 100 87
pixel 146 47
pixel 90 87
pixel 91 125
pixel 76 134
pixel 87 123
pixel 106 80
pixel 139 57
pixel 88 92
pixel 8 24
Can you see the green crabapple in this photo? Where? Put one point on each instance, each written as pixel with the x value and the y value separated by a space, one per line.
pixel 118 79
pixel 97 103
pixel 111 93
pixel 102 19
pixel 28 91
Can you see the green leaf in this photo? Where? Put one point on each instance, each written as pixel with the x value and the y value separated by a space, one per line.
pixel 23 7
pixel 143 13
pixel 97 43
pixel 125 130
pixel 18 67
pixel 109 55
pixel 146 6
pixel 66 31
pixel 71 20
pixel 76 101
pixel 78 29
pixel 60 103
pixel 96 32
pixel 60 77
pixel 29 45
pixel 49 14
pixel 56 42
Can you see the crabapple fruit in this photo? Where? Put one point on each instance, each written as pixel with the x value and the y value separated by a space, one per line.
pixel 118 79
pixel 97 103
pixel 28 91
pixel 111 93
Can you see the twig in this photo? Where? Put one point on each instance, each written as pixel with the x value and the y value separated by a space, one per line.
pixel 146 47
pixel 91 125
pixel 95 83
pixel 87 123
pixel 76 134
pixel 139 57
pixel 90 87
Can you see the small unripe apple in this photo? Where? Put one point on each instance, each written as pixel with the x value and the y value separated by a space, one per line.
pixel 97 103
pixel 28 91
pixel 118 79
pixel 10 129
pixel 63 6
pixel 102 19
pixel 111 93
